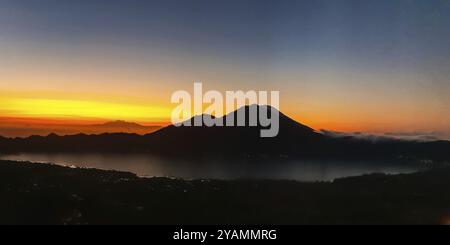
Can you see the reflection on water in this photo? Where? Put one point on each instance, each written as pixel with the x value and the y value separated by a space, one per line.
pixel 147 165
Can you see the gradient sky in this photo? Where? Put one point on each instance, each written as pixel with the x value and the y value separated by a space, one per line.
pixel 348 65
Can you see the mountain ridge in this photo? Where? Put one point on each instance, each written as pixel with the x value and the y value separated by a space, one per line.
pixel 118 126
pixel 294 141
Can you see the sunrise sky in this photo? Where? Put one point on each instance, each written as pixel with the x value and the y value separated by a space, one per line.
pixel 348 65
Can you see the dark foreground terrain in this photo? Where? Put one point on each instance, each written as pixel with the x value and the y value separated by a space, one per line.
pixel 47 194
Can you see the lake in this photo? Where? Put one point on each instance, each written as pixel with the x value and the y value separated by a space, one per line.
pixel 151 166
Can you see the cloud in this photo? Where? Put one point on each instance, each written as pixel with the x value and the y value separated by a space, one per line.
pixel 413 136
pixel 417 135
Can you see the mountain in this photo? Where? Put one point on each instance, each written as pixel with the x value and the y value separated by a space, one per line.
pixel 19 128
pixel 119 124
pixel 294 141
pixel 235 140
pixel 122 127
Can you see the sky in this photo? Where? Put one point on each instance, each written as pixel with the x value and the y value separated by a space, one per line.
pixel 348 65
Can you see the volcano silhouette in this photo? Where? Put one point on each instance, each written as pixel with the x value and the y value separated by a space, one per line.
pixel 236 139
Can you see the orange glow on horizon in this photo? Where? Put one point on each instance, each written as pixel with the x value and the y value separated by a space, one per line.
pixel 80 110
pixel 53 109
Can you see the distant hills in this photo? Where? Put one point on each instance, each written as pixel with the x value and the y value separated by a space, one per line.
pixel 24 129
pixel 294 141
pixel 123 127
pixel 120 124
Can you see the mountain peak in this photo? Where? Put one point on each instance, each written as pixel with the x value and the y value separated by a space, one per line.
pixel 120 123
pixel 245 111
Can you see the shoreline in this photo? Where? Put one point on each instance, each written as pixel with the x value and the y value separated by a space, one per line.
pixel 50 194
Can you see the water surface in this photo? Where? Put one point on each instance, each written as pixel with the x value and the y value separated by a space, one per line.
pixel 150 166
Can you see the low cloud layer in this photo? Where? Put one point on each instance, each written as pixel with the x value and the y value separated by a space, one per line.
pixel 416 136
